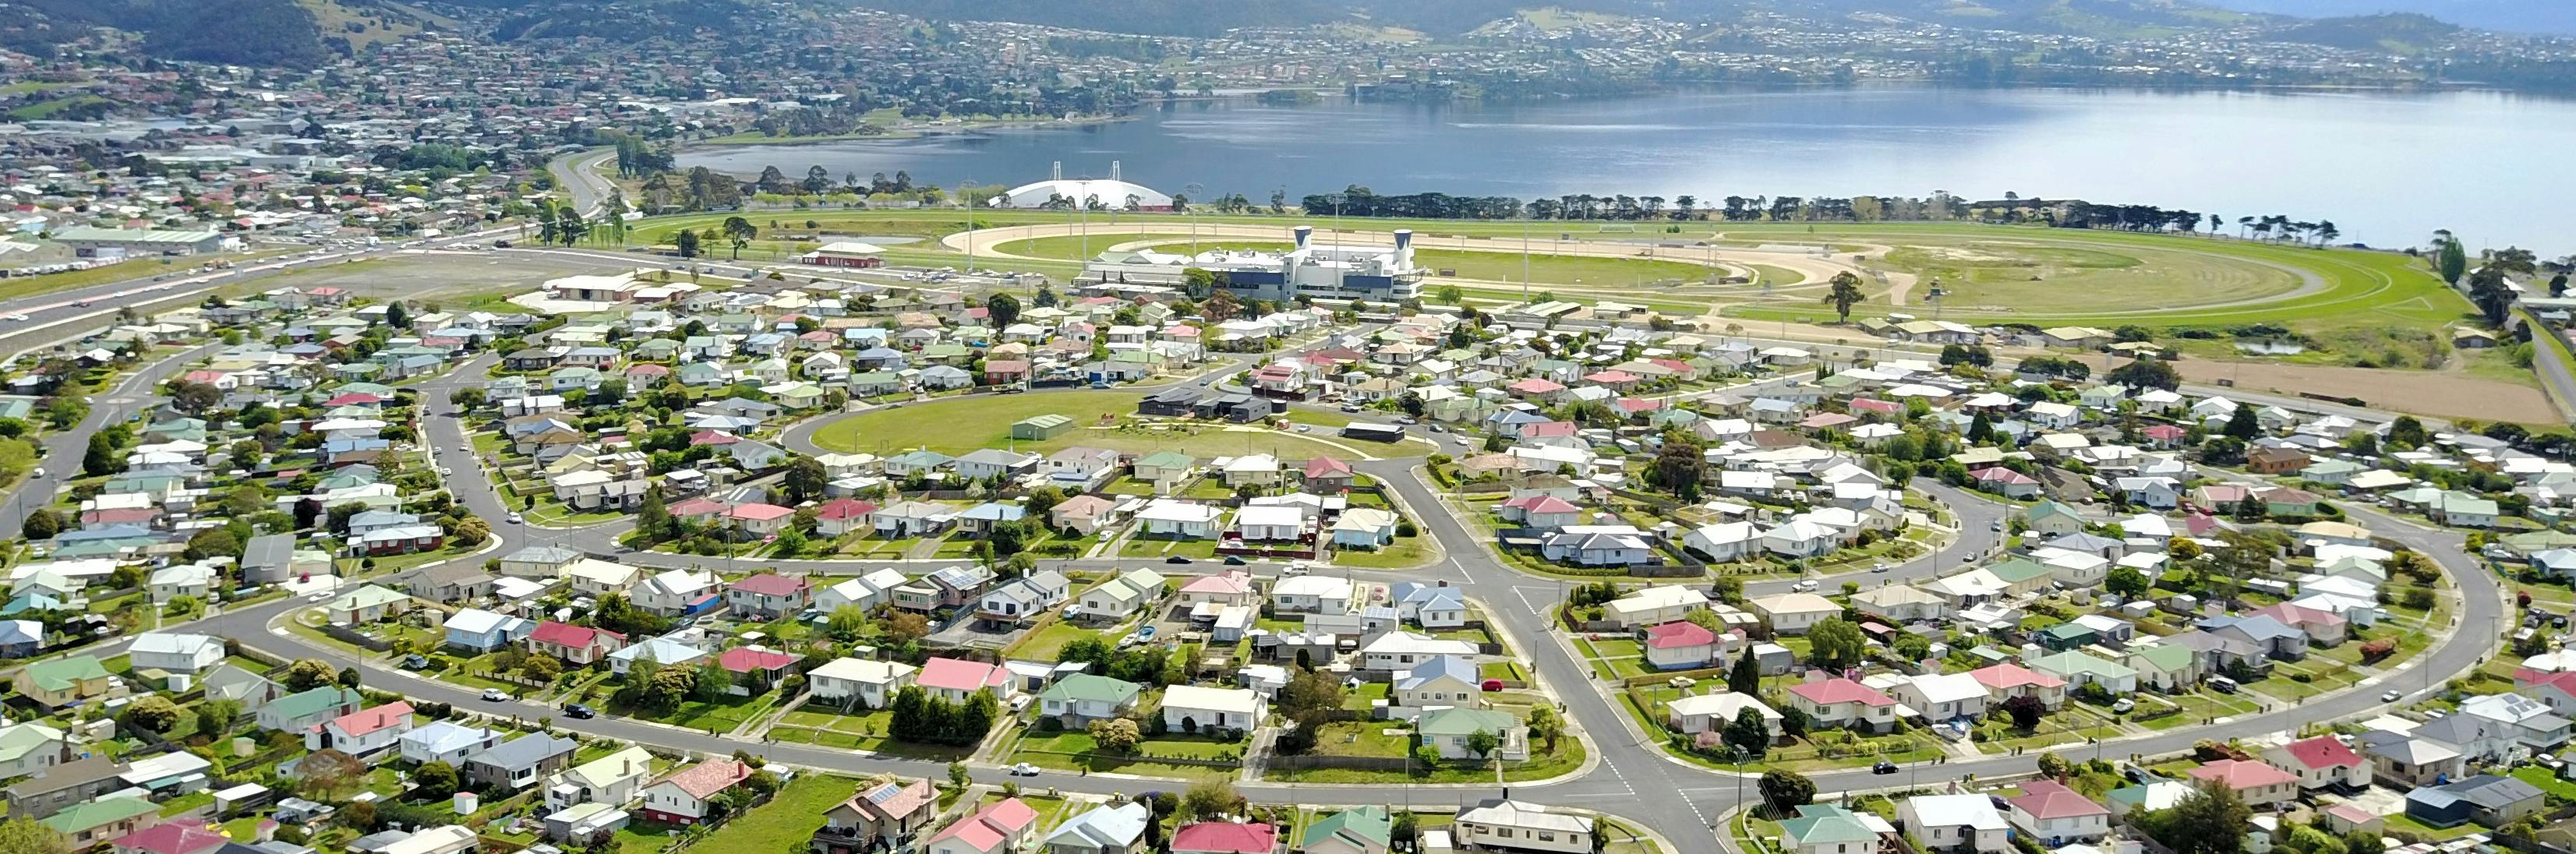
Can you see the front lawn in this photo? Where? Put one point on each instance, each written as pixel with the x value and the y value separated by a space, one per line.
pixel 1404 552
pixel 1073 750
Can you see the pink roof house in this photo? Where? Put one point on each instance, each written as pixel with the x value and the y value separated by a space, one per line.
pixel 1844 703
pixel 957 680
pixel 2259 784
pixel 769 596
pixel 2321 762
pixel 2008 680
pixel 2058 816
pixel 1006 826
pixel 1679 645
pixel 1224 837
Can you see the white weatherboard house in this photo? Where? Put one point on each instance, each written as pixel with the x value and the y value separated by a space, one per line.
pixel 1520 825
pixel 1190 708
pixel 860 683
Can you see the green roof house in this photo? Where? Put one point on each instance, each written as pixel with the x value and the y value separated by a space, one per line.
pixel 63 681
pixel 2078 668
pixel 2053 518
pixel 102 820
pixel 1448 730
pixel 1081 698
pixel 307 709
pixel 1359 830
pixel 1825 827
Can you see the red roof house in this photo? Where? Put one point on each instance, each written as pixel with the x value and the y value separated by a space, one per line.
pixel 572 643
pixel 1225 837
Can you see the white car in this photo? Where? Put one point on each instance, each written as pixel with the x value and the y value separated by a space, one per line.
pixel 495 695
pixel 1804 585
pixel 1024 770
pixel 514 519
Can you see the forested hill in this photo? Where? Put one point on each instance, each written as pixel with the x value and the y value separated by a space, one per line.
pixel 2554 17
pixel 246 32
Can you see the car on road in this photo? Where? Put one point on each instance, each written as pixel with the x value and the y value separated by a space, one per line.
pixel 1024 770
pixel 514 519
pixel 1234 560
pixel 80 304
pixel 1997 525
pixel 1350 407
pixel 2390 697
pixel 578 711
pixel 1883 767
pixel 1880 566
pixel 1176 559
pixel 37 473
pixel 495 695
pixel 1406 421
pixel 1804 585
pixel 15 318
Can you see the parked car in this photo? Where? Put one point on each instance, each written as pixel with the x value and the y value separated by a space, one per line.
pixel 578 711
pixel 495 695
pixel 1176 559
pixel 2390 697
pixel 1234 560
pixel 1024 770
pixel 2122 706
pixel 415 661
pixel 1492 685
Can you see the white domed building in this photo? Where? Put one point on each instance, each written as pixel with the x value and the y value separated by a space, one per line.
pixel 1077 193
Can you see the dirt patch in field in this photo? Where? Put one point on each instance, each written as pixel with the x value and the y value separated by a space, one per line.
pixel 2449 395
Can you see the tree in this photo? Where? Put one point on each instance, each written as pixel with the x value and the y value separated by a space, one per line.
pixel 1115 735
pixel 1483 743
pixel 958 776
pixel 1308 691
pixel 2144 373
pixel 1793 722
pixel 102 458
pixel 1209 799
pixel 2126 581
pixel 1835 644
pixel 907 627
pixel 2492 293
pixel 739 232
pixel 687 242
pixel 1745 677
pixel 328 772
pixel 152 713
pixel 847 623
pixel 1001 311
pixel 1784 791
pixel 435 779
pixel 306 674
pixel 2025 711
pixel 2451 261
pixel 1846 293
pixel 43 524
pixel 1426 756
pixel 347 677
pixel 1749 732
pixel 2406 432
pixel 2053 766
pixel 541 669
pixel 1678 468
pixel 2241 424
pixel 26 835
pixel 2210 819
pixel 216 717
pixel 1546 725
pixel 804 479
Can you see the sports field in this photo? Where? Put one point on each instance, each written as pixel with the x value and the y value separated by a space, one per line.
pixel 1543 268
pixel 957 425
pixel 2351 300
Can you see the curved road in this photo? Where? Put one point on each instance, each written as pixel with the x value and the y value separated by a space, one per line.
pixel 1627 776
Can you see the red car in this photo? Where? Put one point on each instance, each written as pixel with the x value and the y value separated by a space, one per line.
pixel 1493 685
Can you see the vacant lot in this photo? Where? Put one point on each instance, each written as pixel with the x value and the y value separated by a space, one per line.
pixel 2424 392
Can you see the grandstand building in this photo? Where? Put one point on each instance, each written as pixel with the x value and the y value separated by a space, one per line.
pixel 1317 271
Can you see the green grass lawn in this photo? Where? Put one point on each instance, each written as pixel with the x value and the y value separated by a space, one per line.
pixel 1542 764
pixel 1404 552
pixel 1045 642
pixel 1073 750
pixel 2541 779
pixel 789 817
pixel 1141 546
pixel 944 426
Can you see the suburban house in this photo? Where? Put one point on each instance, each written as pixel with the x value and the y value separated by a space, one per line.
pixel 682 797
pixel 860 683
pixel 1104 829
pixel 1523 826
pixel 1191 708
pixel 884 813
pixel 1081 698
pixel 362 732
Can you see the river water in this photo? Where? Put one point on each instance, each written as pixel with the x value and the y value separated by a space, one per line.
pixel 2386 168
